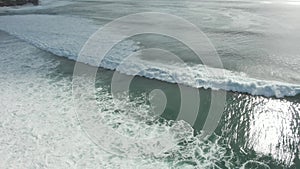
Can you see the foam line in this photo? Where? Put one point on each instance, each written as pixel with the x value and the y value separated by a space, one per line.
pixel 64 36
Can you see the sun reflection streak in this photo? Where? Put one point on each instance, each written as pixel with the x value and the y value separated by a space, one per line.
pixel 271 130
pixel 268 126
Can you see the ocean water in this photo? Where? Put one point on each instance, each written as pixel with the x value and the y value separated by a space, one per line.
pixel 150 111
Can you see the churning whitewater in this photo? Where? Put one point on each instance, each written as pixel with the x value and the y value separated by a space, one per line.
pixel 64 36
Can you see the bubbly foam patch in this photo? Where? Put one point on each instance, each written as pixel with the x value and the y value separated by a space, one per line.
pixel 64 36
pixel 180 149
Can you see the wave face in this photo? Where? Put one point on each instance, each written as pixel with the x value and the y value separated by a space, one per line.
pixel 64 36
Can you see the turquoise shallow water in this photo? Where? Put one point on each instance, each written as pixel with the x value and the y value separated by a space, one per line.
pixel 40 127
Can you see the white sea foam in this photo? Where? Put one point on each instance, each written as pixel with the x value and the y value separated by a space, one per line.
pixel 64 36
pixel 202 76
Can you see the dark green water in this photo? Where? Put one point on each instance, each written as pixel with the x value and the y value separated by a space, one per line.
pixel 251 128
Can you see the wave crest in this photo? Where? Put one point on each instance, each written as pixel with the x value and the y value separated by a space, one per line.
pixel 64 36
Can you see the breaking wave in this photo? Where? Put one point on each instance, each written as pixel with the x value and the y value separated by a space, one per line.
pixel 64 36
